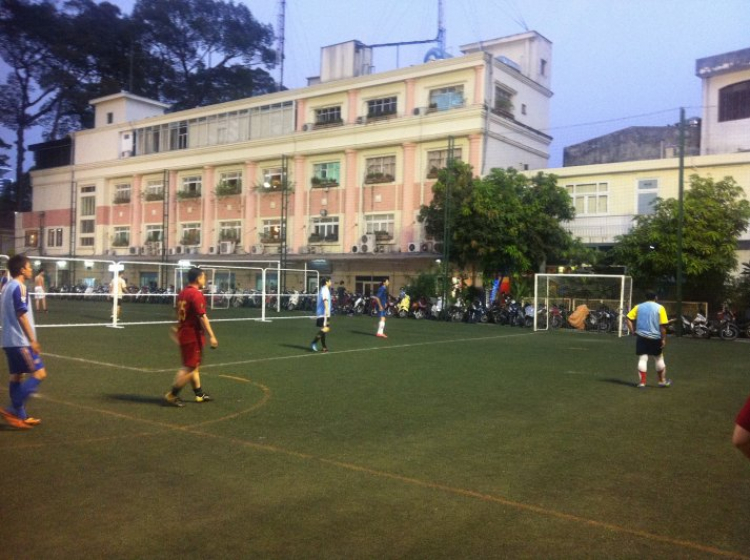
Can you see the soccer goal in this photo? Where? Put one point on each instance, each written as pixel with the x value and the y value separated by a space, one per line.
pixel 582 302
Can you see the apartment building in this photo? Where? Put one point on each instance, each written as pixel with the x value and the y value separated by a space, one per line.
pixel 608 197
pixel 334 172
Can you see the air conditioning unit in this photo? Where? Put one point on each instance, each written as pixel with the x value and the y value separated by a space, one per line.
pixel 304 250
pixel 152 248
pixel 178 249
pixel 170 251
pixel 438 247
pixel 425 246
pixel 368 243
pixel 226 247
pixel 417 111
pixel 133 250
pixel 413 246
pixel 355 249
pixel 306 127
pixel 212 249
pixel 126 153
pixel 361 120
pixel 256 249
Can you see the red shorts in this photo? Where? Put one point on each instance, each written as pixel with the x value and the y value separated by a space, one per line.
pixel 192 352
pixel 743 418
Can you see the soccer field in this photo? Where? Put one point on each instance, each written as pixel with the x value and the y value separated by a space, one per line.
pixel 443 441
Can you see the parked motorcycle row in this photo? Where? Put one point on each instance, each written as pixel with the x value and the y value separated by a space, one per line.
pixel 724 326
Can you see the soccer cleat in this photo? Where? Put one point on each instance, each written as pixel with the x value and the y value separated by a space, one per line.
pixel 13 420
pixel 666 383
pixel 203 398
pixel 641 385
pixel 381 335
pixel 32 421
pixel 313 347
pixel 325 350
pixel 171 400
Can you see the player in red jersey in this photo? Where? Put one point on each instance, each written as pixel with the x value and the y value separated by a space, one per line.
pixel 192 325
pixel 741 436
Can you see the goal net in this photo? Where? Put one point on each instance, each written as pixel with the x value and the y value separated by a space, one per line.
pixel 582 302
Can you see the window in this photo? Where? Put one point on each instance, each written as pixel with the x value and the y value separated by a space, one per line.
pixel 734 102
pixel 503 102
pixel 154 190
pixel 446 98
pixel 54 237
pixel 31 239
pixel 87 242
pixel 589 198
pixel 381 225
pixel 328 116
pixel 326 174
pixel 271 231
pixel 122 193
pixel 154 234
pixel 437 159
pixel 380 169
pixel 87 226
pixel 191 234
pixel 88 206
pixel 273 178
pixel 110 118
pixel 648 191
pixel 381 107
pixel 230 182
pixel 88 189
pixel 191 187
pixel 324 229
pixel 230 231
pixel 121 237
pixel 543 67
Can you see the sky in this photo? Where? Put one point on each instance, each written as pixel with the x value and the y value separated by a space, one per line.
pixel 615 63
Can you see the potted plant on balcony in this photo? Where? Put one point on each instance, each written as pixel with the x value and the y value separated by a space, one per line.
pixel 120 242
pixel 331 238
pixel 383 235
pixel 190 238
pixel 378 177
pixel 185 195
pixel 314 238
pixel 153 196
pixel 121 198
pixel 227 189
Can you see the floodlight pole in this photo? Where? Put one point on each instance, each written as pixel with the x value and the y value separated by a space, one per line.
pixel 284 222
pixel 680 222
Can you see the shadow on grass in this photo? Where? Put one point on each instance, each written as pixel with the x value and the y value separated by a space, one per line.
pixel 618 382
pixel 139 399
pixel 363 333
pixel 305 347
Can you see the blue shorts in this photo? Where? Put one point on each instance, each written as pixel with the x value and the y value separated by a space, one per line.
pixel 22 359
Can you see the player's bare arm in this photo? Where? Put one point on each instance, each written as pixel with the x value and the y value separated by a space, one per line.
pixel 207 327
pixel 26 326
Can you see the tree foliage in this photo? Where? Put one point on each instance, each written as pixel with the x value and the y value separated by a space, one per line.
pixel 715 213
pixel 505 221
pixel 184 52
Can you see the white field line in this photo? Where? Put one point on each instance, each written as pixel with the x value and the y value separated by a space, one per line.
pixel 294 357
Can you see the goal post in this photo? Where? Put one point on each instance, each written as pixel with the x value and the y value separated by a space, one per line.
pixel 607 299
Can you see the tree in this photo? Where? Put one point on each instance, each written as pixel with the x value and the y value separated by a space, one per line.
pixel 504 222
pixel 715 215
pixel 205 50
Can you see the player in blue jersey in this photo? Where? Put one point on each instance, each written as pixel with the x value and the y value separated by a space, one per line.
pixel 324 315
pixel 381 299
pixel 19 343
pixel 648 321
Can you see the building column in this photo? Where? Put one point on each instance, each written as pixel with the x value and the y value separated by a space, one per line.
pixel 301 114
pixel 174 222
pixel 297 238
pixel 353 102
pixel 408 228
pixel 479 73
pixel 352 214
pixel 249 198
pixel 207 218
pixel 409 101
pixel 136 216
pixel 475 152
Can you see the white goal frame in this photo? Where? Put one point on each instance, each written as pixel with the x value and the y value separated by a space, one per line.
pixel 623 296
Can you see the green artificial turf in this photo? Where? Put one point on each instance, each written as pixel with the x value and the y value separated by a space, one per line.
pixel 443 441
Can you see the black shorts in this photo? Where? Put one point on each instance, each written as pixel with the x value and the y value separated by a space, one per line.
pixel 649 346
pixel 320 320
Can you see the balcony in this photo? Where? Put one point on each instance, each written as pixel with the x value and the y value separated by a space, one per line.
pixel 322 183
pixel 600 229
pixel 227 189
pixel 374 178
pixel 122 198
pixel 187 195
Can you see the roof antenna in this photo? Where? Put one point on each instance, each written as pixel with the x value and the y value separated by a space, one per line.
pixel 280 50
